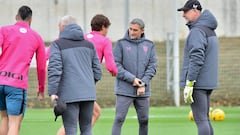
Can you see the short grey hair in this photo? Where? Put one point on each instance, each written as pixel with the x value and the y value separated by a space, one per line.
pixel 67 20
pixel 139 22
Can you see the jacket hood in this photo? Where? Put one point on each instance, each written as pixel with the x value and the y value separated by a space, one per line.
pixel 205 19
pixel 136 40
pixel 72 32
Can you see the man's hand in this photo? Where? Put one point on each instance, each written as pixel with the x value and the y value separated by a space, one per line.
pixel 113 74
pixel 54 97
pixel 40 96
pixel 137 82
pixel 187 93
pixel 141 91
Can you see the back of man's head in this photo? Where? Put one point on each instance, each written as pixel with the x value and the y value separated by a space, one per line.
pixel 98 21
pixel 67 20
pixel 24 13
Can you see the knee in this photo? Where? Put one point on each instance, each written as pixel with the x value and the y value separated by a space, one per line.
pixel 4 116
pixel 61 131
pixel 4 121
pixel 119 119
pixel 86 129
pixel 143 120
pixel 4 126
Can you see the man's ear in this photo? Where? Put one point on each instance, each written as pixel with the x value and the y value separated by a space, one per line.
pixel 102 27
pixel 16 17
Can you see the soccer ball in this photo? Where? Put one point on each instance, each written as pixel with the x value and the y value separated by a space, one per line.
pixel 218 115
pixel 190 116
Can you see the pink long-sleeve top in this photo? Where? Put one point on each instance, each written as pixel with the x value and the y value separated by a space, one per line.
pixel 19 43
pixel 103 47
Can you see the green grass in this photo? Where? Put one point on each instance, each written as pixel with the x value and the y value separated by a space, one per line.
pixel 163 120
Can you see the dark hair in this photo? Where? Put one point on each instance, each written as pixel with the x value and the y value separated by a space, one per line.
pixel 25 13
pixel 98 21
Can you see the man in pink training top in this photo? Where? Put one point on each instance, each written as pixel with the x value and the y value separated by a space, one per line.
pixel 18 43
pixel 103 45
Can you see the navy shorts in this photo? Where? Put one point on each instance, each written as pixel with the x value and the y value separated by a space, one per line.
pixel 12 99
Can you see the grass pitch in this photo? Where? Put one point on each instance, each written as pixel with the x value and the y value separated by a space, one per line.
pixel 163 120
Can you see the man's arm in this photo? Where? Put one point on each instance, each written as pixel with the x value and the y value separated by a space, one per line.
pixel 152 66
pixel 97 70
pixel 41 69
pixel 54 69
pixel 1 41
pixel 109 59
pixel 196 50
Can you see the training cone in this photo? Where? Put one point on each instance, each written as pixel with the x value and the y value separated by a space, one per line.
pixel 190 116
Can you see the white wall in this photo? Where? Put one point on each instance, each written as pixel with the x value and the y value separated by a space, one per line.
pixel 157 14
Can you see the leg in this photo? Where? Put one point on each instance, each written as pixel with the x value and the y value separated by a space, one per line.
pixel 14 124
pixel 85 117
pixel 95 116
pixel 70 118
pixel 200 109
pixel 96 113
pixel 142 109
pixel 61 131
pixel 4 123
pixel 16 101
pixel 3 112
pixel 122 106
pixel 209 122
